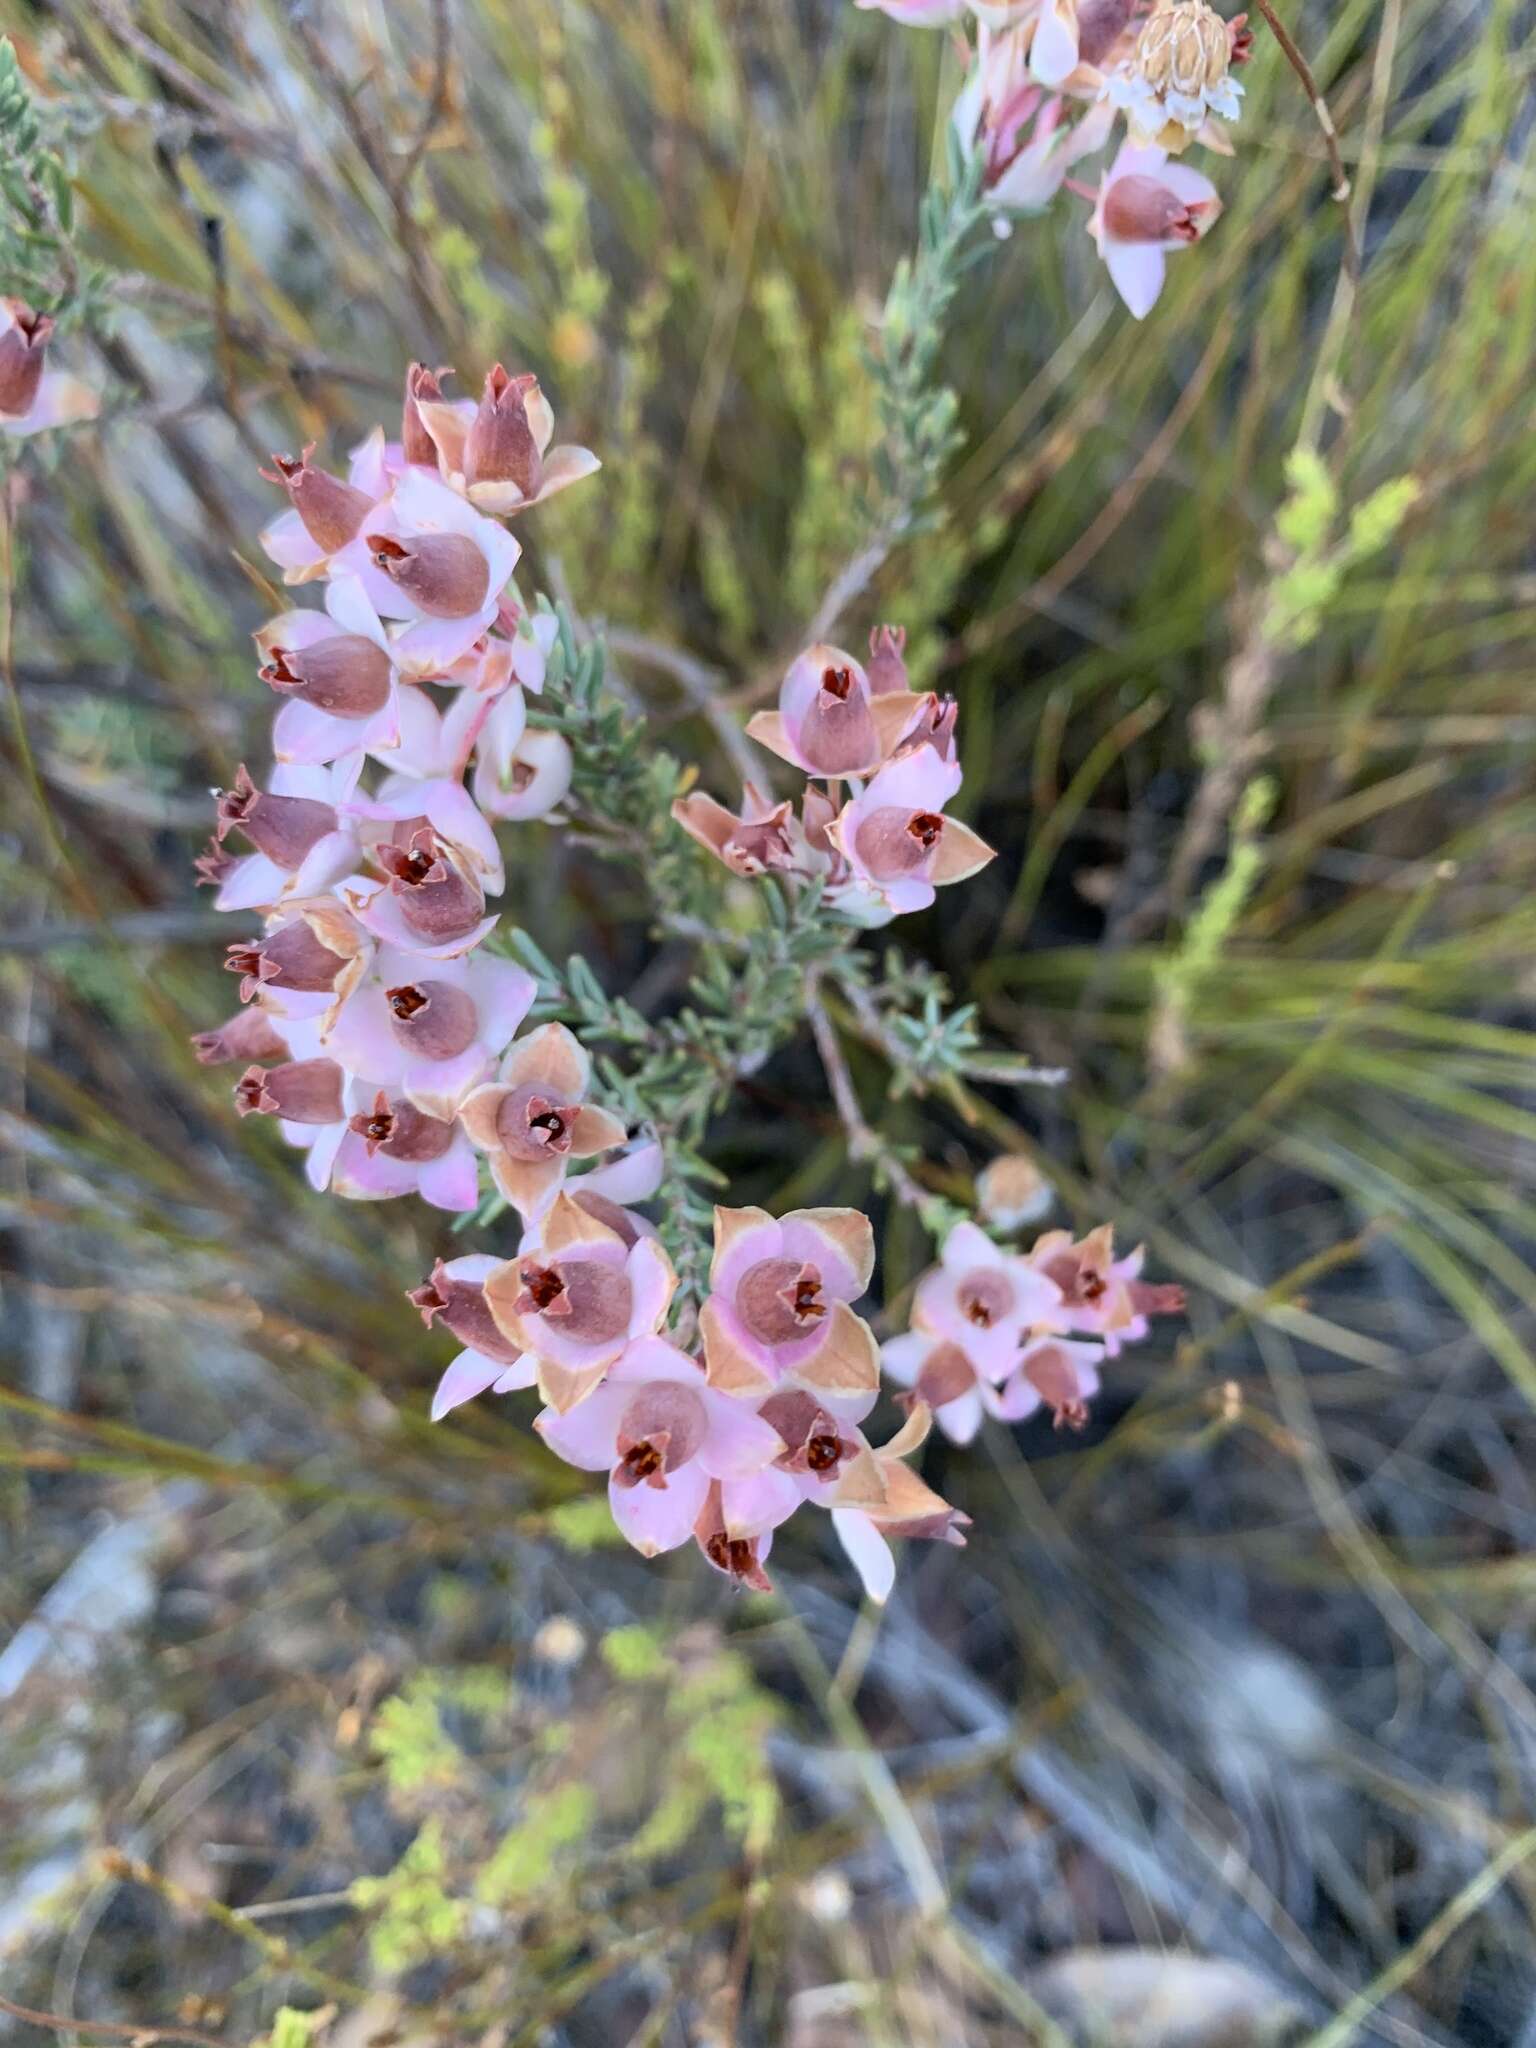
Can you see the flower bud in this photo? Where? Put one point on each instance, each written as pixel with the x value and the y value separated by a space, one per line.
pixel 1142 209
pixel 501 446
pixel 285 828
pixel 347 676
pixel 460 1306
pixel 299 1091
pixel 444 574
pixel 837 734
pixel 332 511
pixel 248 1035
pixel 23 347
pixel 1013 1191
pixel 887 666
pixel 290 957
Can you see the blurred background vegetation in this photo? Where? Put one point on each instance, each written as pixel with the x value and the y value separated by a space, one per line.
pixel 323 1725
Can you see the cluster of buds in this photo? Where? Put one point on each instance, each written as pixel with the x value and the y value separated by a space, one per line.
pixel 871 825
pixel 1048 81
pixel 381 1031
pixel 373 1018
pixel 1006 1333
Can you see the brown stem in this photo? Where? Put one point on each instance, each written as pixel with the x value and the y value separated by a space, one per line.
pixel 1303 70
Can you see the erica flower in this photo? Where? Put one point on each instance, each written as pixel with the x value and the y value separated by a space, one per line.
pixel 1009 106
pixel 580 1299
pixel 828 721
pixel 497 454
pixel 879 1498
pixel 941 1375
pixel 662 1434
pixel 1179 75
pixel 302 841
pixel 1145 207
pixel 390 1148
pixel 519 773
pixel 454 1295
pixel 33 397
pixel 984 1299
pixel 429 1029
pixel 439 858
pixel 335 671
pixel 737 1551
pixel 763 838
pixel 534 1118
pixel 248 1035
pixel 898 844
pixel 1056 1372
pixel 324 514
pixel 779 1299
pixel 1102 1296
pixel 427 557
pixel 303 964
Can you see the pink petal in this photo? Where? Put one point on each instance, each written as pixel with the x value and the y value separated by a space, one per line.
pixel 1136 270
pixel 470 1374
pixel 868 1551
pixel 656 1518
pixel 739 1442
pixel 452 1182
pixel 587 1435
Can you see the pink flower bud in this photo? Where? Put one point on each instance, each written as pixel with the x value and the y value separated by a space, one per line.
pixel 460 1306
pixel 445 574
pixel 347 676
pixel 248 1035
pixel 332 511
pixel 501 447
pixel 432 1020
pixel 23 347
pixel 420 383
pixel 290 957
pixel 284 828
pixel 836 733
pixel 887 667
pixel 437 899
pixel 299 1091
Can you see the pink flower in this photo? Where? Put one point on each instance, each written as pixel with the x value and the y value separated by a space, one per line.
pixel 633 1176
pixel 898 844
pixel 389 1148
pixel 248 1035
pixel 439 858
pixel 324 515
pixel 534 1117
pixel 941 1375
pixel 429 1029
pixel 519 773
pixel 828 721
pixel 335 671
pixel 662 1434
pixel 426 557
pixel 762 839
pixel 309 958
pixel 1008 106
pixel 579 1300
pixel 454 1295
pixel 984 1300
pixel 497 454
pixel 33 397
pixel 1102 1296
pixel 1062 1374
pixel 1147 206
pixel 303 843
pixel 736 1552
pixel 779 1302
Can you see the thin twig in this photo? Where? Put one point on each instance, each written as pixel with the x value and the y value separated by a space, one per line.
pixel 1303 70
pixel 118 2030
pixel 863 1141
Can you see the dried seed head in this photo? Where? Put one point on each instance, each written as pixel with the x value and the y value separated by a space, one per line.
pixel 1184 49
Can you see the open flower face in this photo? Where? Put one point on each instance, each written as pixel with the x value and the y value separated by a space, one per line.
pixel 662 1434
pixel 984 1300
pixel 1102 1296
pixel 534 1118
pixel 336 674
pixel 895 837
pixel 427 557
pixel 497 454
pixel 1146 207
pixel 429 1029
pixel 580 1300
pixel 829 722
pixel 33 397
pixel 779 1299
pixel 390 1148
pixel 454 1295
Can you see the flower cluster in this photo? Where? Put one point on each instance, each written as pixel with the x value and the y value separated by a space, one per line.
pixel 373 1018
pixel 1047 82
pixel 383 1033
pixel 882 757
pixel 1003 1334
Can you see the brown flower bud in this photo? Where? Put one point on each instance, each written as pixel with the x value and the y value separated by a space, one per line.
pixel 284 828
pixel 348 676
pixel 299 1091
pixel 444 573
pixel 332 511
pixel 501 446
